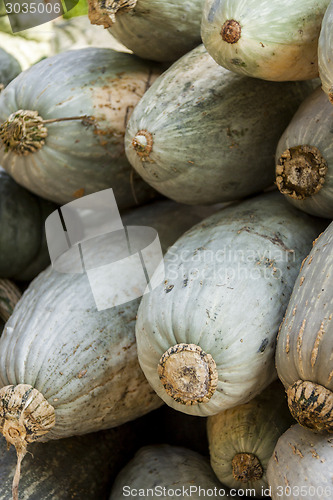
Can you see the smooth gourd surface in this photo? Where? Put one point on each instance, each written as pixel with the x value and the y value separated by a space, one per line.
pixel 79 157
pixel 325 47
pixel 213 133
pixel 301 465
pixel 9 67
pixel 227 285
pixel 278 39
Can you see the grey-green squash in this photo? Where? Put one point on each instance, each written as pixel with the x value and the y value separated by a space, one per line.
pixel 242 439
pixel 304 349
pixel 67 368
pixel 272 39
pixel 301 465
pixel 304 157
pixel 153 29
pixel 325 46
pixel 9 68
pixel 167 471
pixel 206 336
pixel 202 134
pixel 23 249
pixel 63 122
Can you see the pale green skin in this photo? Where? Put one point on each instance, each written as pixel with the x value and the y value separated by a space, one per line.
pixel 312 302
pixel 214 132
pixel 250 428
pixel 9 67
pixel 75 156
pixel 160 30
pixel 279 38
pixel 227 285
pixel 303 461
pixel 169 467
pixel 325 48
pixel 312 126
pixel 56 333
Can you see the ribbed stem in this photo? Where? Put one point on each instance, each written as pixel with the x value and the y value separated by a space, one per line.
pixel 231 31
pixel 246 467
pixel 301 172
pixel 188 374
pixel 104 12
pixel 24 131
pixel 311 405
pixel 9 296
pixel 25 416
pixel 143 143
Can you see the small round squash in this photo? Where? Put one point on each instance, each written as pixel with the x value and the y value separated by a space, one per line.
pixel 304 349
pixel 271 39
pixel 301 466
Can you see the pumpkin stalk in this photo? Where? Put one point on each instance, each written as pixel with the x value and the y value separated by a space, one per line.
pixel 301 172
pixel 24 131
pixel 143 143
pixel 9 296
pixel 231 31
pixel 246 467
pixel 104 13
pixel 188 374
pixel 311 405
pixel 25 416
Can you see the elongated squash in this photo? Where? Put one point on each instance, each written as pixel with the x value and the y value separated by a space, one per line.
pixel 202 134
pixel 272 39
pixel 66 368
pixel 301 465
pixel 170 471
pixel 159 30
pixel 304 348
pixel 242 439
pixel 325 47
pixel 63 123
pixel 9 68
pixel 23 250
pixel 304 157
pixel 206 337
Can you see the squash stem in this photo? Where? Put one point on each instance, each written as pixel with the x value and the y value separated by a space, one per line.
pixel 188 374
pixel 104 12
pixel 15 487
pixel 246 467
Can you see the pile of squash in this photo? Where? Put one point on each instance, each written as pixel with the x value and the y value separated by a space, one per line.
pixel 209 122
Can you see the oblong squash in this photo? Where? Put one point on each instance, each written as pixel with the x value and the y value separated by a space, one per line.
pixel 242 439
pixel 168 471
pixel 23 249
pixel 304 348
pixel 83 361
pixel 325 46
pixel 272 39
pixel 63 123
pixel 300 467
pixel 206 337
pixel 202 134
pixel 9 68
pixel 304 157
pixel 153 29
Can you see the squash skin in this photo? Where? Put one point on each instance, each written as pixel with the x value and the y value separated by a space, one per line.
pixel 207 127
pixel 84 361
pixel 301 459
pixel 311 126
pixel 253 428
pixel 79 156
pixel 304 345
pixel 23 250
pixel 9 68
pixel 169 467
pixel 324 52
pixel 210 303
pixel 155 29
pixel 278 40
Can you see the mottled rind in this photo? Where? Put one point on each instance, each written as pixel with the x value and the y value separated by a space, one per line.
pixel 302 460
pixel 304 348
